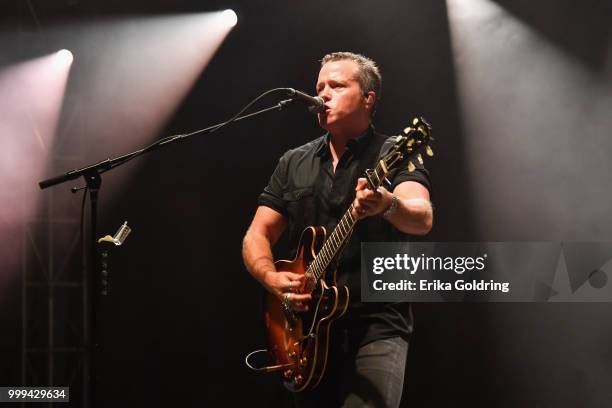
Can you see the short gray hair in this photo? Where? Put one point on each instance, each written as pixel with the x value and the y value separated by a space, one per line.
pixel 368 76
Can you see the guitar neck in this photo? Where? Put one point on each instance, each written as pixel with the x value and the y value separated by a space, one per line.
pixel 342 232
pixel 403 150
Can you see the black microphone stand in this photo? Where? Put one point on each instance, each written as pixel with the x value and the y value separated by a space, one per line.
pixel 92 175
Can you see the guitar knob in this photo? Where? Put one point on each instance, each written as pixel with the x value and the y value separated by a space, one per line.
pixel 292 355
pixel 288 373
pixel 303 361
pixel 298 379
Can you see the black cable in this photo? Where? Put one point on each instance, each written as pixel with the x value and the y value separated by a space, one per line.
pixel 247 107
pixel 171 138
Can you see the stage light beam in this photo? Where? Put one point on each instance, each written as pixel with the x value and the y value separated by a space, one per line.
pixel 134 73
pixel 64 57
pixel 229 18
pixel 536 122
pixel 31 98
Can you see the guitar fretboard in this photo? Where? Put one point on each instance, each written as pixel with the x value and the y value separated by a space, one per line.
pixel 404 149
pixel 335 242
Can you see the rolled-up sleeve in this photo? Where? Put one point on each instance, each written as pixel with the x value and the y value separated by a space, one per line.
pixel 402 174
pixel 420 175
pixel 272 195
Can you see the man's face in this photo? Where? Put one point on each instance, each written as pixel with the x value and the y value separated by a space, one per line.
pixel 345 104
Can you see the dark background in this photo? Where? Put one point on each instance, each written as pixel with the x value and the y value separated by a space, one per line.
pixel 182 311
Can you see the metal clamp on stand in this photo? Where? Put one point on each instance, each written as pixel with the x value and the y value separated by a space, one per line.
pixel 105 244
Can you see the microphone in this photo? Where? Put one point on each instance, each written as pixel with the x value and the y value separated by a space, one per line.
pixel 315 103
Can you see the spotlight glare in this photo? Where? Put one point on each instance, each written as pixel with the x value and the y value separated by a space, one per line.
pixel 229 17
pixel 64 57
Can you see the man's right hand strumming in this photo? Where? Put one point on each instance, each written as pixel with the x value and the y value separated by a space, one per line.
pixel 264 231
pixel 287 286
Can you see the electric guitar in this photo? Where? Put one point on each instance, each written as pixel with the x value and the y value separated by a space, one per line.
pixel 298 341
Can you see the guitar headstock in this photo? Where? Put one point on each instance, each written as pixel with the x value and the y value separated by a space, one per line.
pixel 409 146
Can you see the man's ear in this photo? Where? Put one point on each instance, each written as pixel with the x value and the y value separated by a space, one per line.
pixel 370 98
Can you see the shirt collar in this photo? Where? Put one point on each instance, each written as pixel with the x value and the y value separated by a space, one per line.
pixel 355 145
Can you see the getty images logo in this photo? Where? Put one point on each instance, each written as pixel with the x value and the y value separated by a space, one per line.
pixel 411 264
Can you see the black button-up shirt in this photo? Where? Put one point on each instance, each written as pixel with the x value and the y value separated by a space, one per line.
pixel 305 189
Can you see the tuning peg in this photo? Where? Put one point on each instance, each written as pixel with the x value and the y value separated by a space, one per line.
pixel 420 158
pixel 411 167
pixel 407 130
pixel 410 142
pixel 428 151
pixel 415 121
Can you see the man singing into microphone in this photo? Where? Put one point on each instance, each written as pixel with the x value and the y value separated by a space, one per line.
pixel 314 184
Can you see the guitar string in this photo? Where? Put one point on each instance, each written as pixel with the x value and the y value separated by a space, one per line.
pixel 336 239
